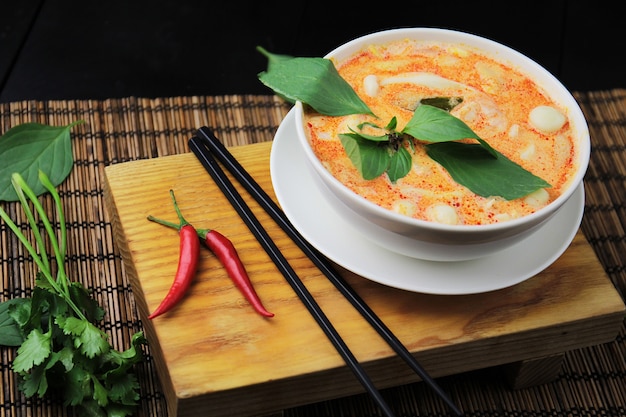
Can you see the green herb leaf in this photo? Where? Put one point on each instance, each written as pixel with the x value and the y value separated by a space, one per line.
pixel 314 81
pixel 89 306
pixel 77 386
pixel 374 138
pixel 370 159
pixel 10 334
pixel 400 164
pixel 93 341
pixel 123 390
pixel 475 168
pixel 30 147
pixel 35 349
pixel 99 392
pixel 90 340
pixel 64 348
pixel 443 103
pixel 35 382
pixel 130 356
pixel 66 358
pixel 317 83
pixel 432 124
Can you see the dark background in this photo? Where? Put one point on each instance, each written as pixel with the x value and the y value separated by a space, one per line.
pixel 56 49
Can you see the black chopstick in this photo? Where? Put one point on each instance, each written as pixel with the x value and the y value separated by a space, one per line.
pixel 220 152
pixel 290 275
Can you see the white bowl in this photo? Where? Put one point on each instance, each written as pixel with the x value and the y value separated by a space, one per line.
pixel 429 240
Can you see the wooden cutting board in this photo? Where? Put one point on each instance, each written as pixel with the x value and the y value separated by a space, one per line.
pixel 215 356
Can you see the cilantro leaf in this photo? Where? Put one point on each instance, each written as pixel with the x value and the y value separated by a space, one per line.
pixel 91 408
pixel 66 358
pixel 99 392
pixel 123 390
pixel 77 386
pixel 35 349
pixel 88 338
pixel 93 341
pixel 63 348
pixel 35 382
pixel 85 302
pixel 10 333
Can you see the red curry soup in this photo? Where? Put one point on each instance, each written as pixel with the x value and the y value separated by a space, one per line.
pixel 502 105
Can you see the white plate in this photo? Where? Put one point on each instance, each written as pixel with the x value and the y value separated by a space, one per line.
pixel 303 204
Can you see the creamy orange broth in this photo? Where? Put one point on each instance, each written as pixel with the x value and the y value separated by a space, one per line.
pixel 497 105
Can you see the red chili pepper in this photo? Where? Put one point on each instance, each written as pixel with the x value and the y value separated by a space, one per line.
pixel 189 254
pixel 225 251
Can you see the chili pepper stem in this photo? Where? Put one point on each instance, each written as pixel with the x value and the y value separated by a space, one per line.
pixel 188 257
pixel 164 222
pixel 225 251
pixel 181 220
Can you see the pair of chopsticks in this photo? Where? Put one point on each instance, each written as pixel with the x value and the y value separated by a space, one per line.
pixel 209 149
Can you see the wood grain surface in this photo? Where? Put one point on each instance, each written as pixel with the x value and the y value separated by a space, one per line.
pixel 216 356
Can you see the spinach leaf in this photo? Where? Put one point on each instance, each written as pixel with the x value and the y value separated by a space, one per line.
pixel 314 81
pixel 30 147
pixel 474 167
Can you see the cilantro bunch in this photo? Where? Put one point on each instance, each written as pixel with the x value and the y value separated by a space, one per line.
pixel 61 350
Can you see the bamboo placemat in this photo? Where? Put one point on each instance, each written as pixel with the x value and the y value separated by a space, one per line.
pixel 592 380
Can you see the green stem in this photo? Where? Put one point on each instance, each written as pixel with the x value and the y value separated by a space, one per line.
pixel 60 285
pixel 24 241
pixel 18 182
pixel 43 178
pixel 164 222
pixel 181 219
pixel 37 234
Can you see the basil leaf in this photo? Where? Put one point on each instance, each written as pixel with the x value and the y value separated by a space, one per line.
pixel 474 167
pixel 400 164
pixel 370 159
pixel 392 123
pixel 373 138
pixel 314 81
pixel 30 147
pixel 432 124
pixel 443 103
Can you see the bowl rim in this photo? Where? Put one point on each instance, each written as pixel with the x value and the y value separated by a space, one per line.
pixel 547 81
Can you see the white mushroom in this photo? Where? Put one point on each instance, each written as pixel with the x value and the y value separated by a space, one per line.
pixel 514 131
pixel 546 118
pixel 537 198
pixel 442 213
pixel 405 207
pixel 528 152
pixel 370 85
